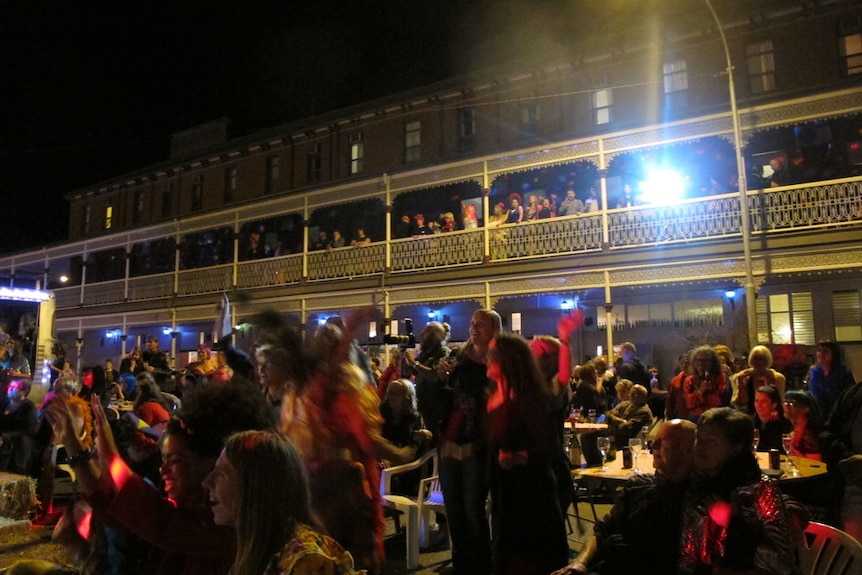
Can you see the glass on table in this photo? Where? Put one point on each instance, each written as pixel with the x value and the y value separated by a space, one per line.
pixel 786 443
pixel 592 415
pixel 756 440
pixel 604 446
pixel 635 445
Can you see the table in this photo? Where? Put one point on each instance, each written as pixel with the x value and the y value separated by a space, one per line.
pixel 616 476
pixel 581 427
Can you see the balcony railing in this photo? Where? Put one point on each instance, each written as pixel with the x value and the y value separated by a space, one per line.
pixel 810 206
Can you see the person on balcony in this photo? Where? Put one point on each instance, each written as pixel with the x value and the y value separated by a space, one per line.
pixel 571 205
pixel 516 210
pixel 781 176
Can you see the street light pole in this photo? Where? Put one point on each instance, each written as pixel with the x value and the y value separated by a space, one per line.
pixel 750 310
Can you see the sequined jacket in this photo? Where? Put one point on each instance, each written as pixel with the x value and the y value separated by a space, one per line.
pixel 759 534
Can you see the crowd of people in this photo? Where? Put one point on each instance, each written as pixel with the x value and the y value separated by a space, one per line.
pixel 269 461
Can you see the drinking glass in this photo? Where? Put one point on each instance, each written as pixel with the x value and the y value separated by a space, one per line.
pixel 635 445
pixel 756 440
pixel 592 415
pixel 604 445
pixel 786 440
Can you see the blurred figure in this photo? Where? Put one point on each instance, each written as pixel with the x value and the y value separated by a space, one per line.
pixel 430 379
pixel 464 449
pixel 675 406
pixel 19 423
pixel 529 525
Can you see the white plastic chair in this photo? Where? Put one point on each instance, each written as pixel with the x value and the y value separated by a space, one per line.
pixel 825 550
pixel 408 505
pixel 430 503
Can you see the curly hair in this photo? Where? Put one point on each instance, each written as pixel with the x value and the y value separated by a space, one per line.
pixel 215 411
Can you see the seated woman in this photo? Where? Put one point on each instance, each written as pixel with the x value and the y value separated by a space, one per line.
pixel 150 407
pixel 769 419
pixel 735 521
pixel 802 411
pixel 403 426
pixel 259 487
pixel 18 426
pixel 179 531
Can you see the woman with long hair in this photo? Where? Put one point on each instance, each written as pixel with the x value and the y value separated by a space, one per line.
pixel 529 524
pixel 178 529
pixel 706 386
pixel 802 411
pixel 829 377
pixel 769 419
pixel 259 487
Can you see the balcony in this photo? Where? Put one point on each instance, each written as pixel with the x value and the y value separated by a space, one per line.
pixel 835 205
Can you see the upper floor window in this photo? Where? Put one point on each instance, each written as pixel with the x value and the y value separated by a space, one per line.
pixel 137 206
pixel 357 152
pixel 412 141
pixel 109 216
pixel 198 193
pixel 760 65
pixel 786 318
pixel 530 117
pixel 676 83
pixel 168 200
pixel 313 164
pixel 229 193
pixel 272 170
pixel 851 52
pixel 466 129
pixel 601 101
pixel 85 221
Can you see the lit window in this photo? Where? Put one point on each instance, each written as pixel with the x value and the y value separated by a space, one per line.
pixel 412 141
pixel 357 153
pixel 676 83
pixel 786 318
pixel 851 51
pixel 760 62
pixel 601 104
pixel 109 214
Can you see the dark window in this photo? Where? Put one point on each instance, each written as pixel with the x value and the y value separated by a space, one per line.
pixel 272 169
pixel 760 62
pixel 229 185
pixel 168 201
pixel 198 193
pixel 466 129
pixel 313 163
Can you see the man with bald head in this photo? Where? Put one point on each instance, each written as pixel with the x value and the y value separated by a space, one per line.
pixel 644 523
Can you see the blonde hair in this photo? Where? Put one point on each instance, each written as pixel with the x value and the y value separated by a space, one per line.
pixel 760 351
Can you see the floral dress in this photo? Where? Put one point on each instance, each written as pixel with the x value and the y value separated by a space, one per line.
pixel 311 553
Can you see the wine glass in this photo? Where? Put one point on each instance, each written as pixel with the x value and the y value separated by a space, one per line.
pixel 635 445
pixel 756 441
pixel 786 440
pixel 604 445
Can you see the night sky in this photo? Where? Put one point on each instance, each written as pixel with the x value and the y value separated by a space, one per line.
pixel 94 89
